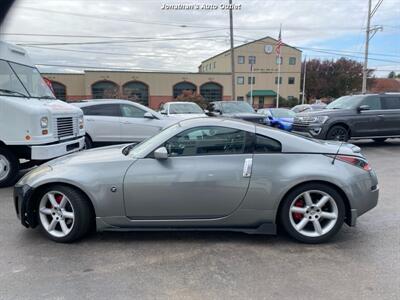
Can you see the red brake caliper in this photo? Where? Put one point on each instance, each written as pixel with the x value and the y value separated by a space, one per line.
pixel 298 216
pixel 58 198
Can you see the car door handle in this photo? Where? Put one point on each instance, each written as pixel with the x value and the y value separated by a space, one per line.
pixel 381 116
pixel 248 164
pixel 90 120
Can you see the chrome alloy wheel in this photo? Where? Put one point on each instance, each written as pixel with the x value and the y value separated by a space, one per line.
pixel 4 167
pixel 313 213
pixel 56 214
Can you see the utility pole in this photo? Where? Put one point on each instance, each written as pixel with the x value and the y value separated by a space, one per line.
pixel 365 67
pixel 368 37
pixel 304 80
pixel 232 53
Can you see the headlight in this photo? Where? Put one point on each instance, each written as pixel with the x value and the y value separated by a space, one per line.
pixel 44 122
pixel 322 119
pixel 43 169
pixel 81 122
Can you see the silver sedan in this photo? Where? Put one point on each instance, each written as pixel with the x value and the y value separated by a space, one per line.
pixel 202 174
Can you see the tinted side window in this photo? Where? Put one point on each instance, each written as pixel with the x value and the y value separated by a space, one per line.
pixel 391 102
pixel 373 102
pixel 110 110
pixel 266 145
pixel 210 140
pixel 130 111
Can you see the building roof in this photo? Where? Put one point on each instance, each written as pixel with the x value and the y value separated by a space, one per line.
pixel 381 85
pixel 262 93
pixel 245 44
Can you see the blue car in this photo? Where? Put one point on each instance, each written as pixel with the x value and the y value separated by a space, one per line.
pixel 281 118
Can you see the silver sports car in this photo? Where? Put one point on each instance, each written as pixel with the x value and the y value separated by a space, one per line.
pixel 202 174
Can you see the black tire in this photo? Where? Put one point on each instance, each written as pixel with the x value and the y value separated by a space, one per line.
pixel 88 142
pixel 83 218
pixel 284 215
pixel 338 133
pixel 380 140
pixel 13 167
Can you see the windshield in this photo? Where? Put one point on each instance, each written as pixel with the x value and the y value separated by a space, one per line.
pixel 345 102
pixel 22 81
pixel 185 108
pixel 151 143
pixel 282 113
pixel 236 107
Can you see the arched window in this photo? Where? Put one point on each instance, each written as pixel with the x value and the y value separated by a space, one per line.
pixel 211 91
pixel 136 91
pixel 183 87
pixel 105 90
pixel 59 90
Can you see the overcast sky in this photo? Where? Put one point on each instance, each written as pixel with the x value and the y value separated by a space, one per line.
pixel 139 34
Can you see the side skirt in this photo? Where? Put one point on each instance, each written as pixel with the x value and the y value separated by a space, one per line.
pixel 265 228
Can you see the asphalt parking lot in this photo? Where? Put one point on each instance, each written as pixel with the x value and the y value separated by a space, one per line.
pixel 359 263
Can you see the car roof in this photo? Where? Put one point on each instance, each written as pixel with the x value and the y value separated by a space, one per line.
pixel 91 102
pixel 179 102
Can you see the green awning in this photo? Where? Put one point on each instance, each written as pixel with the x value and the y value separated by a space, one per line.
pixel 267 93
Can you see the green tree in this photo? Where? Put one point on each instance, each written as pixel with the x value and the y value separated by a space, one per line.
pixel 392 75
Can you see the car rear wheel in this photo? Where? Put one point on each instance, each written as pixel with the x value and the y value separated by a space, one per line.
pixel 9 168
pixel 64 214
pixel 338 133
pixel 312 213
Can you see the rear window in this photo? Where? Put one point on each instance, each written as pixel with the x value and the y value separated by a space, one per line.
pixel 266 145
pixel 391 102
pixel 109 110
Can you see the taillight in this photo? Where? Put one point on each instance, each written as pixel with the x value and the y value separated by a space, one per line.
pixel 353 160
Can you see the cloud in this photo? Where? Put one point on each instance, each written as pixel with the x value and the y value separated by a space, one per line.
pixel 305 23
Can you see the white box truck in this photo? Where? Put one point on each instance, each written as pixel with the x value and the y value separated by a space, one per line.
pixel 34 125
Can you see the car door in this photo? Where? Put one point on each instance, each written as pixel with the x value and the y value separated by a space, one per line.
pixel 391 115
pixel 102 122
pixel 368 123
pixel 134 126
pixel 206 175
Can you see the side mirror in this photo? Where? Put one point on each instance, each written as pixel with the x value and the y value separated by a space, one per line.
pixel 363 107
pixel 161 153
pixel 163 112
pixel 206 111
pixel 148 115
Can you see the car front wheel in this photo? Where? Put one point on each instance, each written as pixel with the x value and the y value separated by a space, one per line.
pixel 64 214
pixel 9 168
pixel 338 133
pixel 312 213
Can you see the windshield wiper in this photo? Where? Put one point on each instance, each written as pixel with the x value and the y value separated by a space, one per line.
pixel 47 97
pixel 13 92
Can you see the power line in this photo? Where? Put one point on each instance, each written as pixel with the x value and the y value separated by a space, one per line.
pixel 123 41
pixel 180 25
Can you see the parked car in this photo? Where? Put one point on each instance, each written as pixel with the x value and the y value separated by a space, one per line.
pixel 33 125
pixel 182 110
pixel 281 118
pixel 235 109
pixel 110 121
pixel 309 107
pixel 202 174
pixel 375 116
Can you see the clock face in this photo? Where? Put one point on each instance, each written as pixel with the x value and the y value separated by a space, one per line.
pixel 268 49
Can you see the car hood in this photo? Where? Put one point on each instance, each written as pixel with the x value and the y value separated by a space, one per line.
pixel 244 115
pixel 325 112
pixel 286 120
pixel 98 155
pixel 187 116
